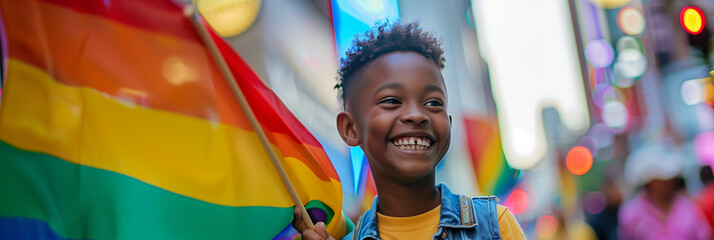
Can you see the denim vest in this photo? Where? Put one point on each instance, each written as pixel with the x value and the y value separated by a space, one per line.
pixel 461 218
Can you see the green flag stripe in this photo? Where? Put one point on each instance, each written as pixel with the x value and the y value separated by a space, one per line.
pixel 83 202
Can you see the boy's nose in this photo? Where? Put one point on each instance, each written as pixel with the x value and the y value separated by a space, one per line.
pixel 414 115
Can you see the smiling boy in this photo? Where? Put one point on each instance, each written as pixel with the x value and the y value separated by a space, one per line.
pixel 395 110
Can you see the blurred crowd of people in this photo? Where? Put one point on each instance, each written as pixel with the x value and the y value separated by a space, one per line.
pixel 660 207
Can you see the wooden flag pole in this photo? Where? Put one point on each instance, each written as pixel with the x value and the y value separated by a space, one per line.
pixel 190 12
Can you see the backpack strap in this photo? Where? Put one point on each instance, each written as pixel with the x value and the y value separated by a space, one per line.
pixel 487 211
pixel 467 211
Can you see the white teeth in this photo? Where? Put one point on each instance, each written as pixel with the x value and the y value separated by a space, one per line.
pixel 413 143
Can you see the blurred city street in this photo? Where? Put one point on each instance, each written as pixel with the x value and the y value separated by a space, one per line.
pixel 588 119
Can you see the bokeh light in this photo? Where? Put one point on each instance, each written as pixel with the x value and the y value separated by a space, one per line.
pixel 546 226
pixel 179 71
pixel 594 202
pixel 579 160
pixel 692 92
pixel 615 115
pixel 229 17
pixel 628 42
pixel 631 63
pixel 631 21
pixel 600 53
pixel 610 3
pixel 517 202
pixel 692 20
pixel 704 148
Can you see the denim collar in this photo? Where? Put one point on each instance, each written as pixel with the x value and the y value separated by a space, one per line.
pixel 451 216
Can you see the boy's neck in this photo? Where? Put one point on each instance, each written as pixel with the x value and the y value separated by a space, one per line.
pixel 400 200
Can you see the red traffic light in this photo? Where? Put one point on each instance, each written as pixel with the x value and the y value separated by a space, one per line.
pixel 692 20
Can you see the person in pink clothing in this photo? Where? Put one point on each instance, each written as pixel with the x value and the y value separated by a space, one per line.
pixel 659 210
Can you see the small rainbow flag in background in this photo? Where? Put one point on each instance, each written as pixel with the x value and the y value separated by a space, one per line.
pixel 115 123
pixel 493 174
pixel 367 190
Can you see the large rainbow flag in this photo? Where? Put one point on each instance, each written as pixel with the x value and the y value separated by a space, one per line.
pixel 493 174
pixel 115 123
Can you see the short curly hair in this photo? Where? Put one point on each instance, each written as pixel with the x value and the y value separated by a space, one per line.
pixel 385 38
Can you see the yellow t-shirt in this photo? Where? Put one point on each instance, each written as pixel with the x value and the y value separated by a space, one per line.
pixel 422 226
pixel 425 225
pixel 508 225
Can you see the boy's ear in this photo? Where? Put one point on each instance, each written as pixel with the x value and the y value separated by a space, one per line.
pixel 348 130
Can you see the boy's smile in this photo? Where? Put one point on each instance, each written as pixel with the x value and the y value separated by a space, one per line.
pixel 399 113
pixel 412 143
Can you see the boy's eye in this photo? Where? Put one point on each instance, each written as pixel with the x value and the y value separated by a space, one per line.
pixel 390 101
pixel 434 103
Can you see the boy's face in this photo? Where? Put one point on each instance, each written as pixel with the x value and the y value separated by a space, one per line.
pixel 397 115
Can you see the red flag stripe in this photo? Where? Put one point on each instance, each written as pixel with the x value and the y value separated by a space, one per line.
pixel 163 14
